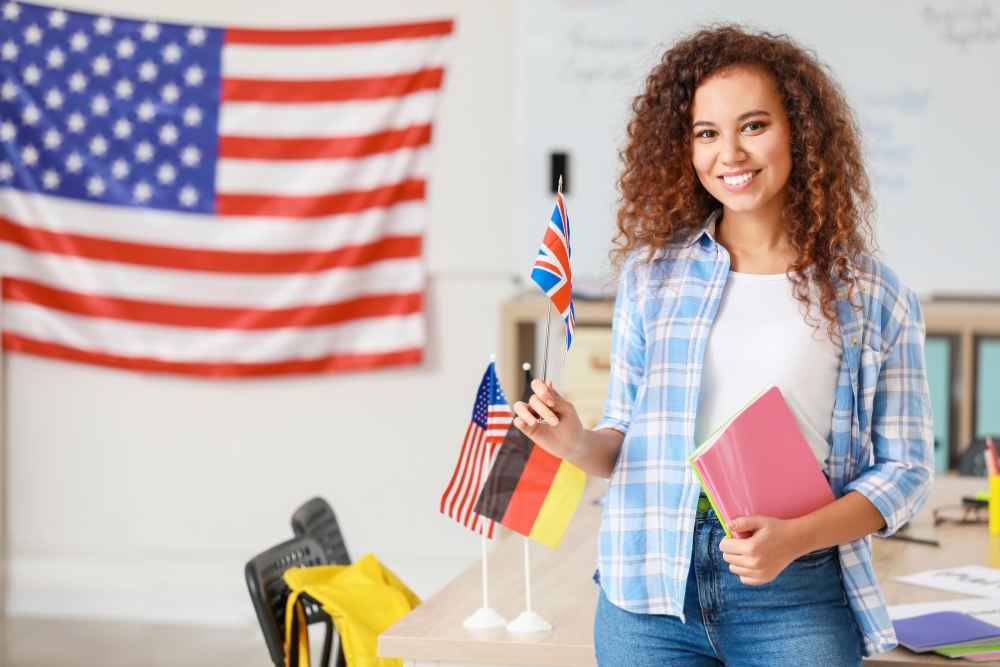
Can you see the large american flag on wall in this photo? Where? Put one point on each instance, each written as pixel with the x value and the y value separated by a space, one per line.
pixel 214 202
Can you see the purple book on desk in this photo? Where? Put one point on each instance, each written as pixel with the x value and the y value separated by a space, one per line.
pixel 943 628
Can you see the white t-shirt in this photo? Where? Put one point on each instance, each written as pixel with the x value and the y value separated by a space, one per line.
pixel 760 339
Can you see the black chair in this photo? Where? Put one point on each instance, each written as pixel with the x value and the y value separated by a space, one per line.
pixel 269 594
pixel 971 462
pixel 316 519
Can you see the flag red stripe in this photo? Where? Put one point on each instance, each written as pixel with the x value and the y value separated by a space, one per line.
pixel 323 148
pixel 477 483
pixel 463 479
pixel 563 216
pixel 243 319
pixel 378 33
pixel 562 297
pixel 532 488
pixel 215 261
pixel 454 474
pixel 468 473
pixel 290 91
pixel 462 465
pixel 486 455
pixel 320 205
pixel 335 363
pixel 556 247
pixel 549 266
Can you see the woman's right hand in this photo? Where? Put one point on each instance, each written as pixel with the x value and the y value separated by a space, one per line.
pixel 550 421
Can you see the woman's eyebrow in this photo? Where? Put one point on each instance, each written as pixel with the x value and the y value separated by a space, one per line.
pixel 742 116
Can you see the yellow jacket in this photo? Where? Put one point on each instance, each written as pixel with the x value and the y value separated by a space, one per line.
pixel 363 599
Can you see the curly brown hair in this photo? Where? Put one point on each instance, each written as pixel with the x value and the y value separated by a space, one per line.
pixel 829 207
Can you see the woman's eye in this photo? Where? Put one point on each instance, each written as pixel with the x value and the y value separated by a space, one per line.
pixel 753 126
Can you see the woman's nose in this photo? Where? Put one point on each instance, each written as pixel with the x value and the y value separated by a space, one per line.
pixel 732 151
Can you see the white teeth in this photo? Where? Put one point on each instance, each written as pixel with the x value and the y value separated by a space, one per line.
pixel 738 180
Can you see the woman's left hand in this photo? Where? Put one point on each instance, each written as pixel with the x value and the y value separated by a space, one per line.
pixel 759 558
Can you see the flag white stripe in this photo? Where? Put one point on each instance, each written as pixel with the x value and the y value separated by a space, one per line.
pixel 194 288
pixel 192 345
pixel 144 225
pixel 453 499
pixel 467 488
pixel 326 119
pixel 333 61
pixel 320 177
pixel 484 469
pixel 465 455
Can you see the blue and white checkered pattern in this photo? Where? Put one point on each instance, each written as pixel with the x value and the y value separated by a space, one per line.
pixel 881 439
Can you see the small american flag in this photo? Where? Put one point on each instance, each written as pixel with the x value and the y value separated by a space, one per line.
pixel 491 418
pixel 552 271
pixel 214 202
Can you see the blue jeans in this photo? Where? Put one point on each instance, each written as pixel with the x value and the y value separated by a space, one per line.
pixel 799 618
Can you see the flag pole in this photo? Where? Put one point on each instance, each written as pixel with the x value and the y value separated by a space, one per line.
pixel 548 323
pixel 486 588
pixel 527 576
pixel 548 318
pixel 529 621
pixel 485 617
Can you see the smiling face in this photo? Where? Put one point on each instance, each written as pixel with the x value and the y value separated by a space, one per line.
pixel 741 140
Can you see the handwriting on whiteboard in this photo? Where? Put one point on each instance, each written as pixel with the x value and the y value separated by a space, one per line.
pixel 965 24
pixel 594 57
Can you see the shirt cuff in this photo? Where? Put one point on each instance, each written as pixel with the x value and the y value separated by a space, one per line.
pixel 893 504
pixel 616 424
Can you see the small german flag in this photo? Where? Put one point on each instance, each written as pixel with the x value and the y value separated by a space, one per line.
pixel 531 491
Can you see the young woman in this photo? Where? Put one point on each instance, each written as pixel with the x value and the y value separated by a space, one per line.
pixel 746 211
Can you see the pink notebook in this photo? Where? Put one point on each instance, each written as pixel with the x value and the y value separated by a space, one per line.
pixel 760 463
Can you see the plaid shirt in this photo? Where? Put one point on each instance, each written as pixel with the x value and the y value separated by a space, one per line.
pixel 881 439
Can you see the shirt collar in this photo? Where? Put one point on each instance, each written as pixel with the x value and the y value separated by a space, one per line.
pixel 707 228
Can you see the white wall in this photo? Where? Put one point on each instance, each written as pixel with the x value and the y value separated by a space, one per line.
pixel 918 92
pixel 142 496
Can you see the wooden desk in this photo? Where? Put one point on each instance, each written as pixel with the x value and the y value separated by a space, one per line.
pixel 564 594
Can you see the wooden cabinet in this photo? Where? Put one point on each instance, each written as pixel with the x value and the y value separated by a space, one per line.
pixel 586 372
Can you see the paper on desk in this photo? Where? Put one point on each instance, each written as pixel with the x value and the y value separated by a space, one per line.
pixel 985 609
pixel 967 652
pixel 968 579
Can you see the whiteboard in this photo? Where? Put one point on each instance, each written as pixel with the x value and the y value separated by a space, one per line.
pixel 923 80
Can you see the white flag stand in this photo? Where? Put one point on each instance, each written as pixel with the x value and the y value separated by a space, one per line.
pixel 485 617
pixel 528 621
